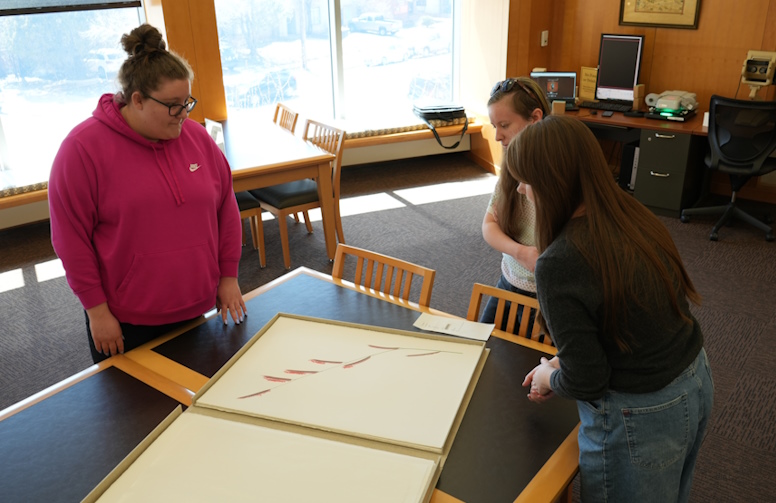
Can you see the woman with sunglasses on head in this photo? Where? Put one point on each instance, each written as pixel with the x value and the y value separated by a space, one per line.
pixel 143 214
pixel 508 225
pixel 614 297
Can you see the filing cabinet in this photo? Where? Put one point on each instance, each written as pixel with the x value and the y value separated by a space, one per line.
pixel 670 170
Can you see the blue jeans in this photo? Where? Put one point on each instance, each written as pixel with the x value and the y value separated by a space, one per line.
pixel 643 447
pixel 489 313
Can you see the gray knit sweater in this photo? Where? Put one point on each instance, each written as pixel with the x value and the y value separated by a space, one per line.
pixel 570 297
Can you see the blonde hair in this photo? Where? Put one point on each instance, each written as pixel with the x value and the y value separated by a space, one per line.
pixel 524 96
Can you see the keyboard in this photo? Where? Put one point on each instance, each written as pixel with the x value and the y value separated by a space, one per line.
pixel 608 105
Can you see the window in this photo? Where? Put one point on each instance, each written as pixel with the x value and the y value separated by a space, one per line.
pixel 275 51
pixel 54 66
pixel 394 52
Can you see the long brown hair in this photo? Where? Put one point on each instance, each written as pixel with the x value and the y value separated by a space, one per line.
pixel 524 96
pixel 563 163
pixel 149 63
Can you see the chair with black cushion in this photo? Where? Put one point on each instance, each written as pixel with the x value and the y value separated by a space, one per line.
pixel 742 136
pixel 286 199
pixel 250 208
pixel 286 118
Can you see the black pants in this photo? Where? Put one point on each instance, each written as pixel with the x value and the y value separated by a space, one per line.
pixel 134 335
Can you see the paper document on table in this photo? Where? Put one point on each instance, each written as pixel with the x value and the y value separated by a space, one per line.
pixel 454 326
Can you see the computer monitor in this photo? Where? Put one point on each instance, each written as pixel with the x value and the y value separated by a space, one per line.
pixel 557 86
pixel 619 59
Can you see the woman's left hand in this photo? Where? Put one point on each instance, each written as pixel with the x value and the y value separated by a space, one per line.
pixel 539 380
pixel 229 299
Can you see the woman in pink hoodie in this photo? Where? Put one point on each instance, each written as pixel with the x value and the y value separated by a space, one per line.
pixel 143 214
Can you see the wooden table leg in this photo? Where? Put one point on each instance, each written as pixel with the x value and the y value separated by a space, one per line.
pixel 326 198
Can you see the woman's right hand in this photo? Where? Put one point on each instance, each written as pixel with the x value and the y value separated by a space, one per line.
pixel 106 331
pixel 498 240
pixel 526 256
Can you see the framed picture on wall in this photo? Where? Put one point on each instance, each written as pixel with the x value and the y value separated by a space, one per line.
pixel 660 13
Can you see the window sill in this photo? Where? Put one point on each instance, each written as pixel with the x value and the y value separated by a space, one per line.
pixel 17 196
pixel 413 132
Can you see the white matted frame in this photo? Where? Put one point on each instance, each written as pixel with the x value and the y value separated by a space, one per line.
pixel 202 456
pixel 403 388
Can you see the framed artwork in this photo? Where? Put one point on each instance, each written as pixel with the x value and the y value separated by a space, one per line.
pixel 660 13
pixel 401 388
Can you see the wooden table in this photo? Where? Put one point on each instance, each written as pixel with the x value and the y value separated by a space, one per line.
pixel 57 446
pixel 506 448
pixel 262 154
pixel 620 120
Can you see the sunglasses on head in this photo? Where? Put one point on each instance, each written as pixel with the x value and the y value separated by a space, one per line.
pixel 507 85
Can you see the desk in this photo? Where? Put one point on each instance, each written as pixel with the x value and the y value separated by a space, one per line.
pixel 671 172
pixel 262 154
pixel 506 448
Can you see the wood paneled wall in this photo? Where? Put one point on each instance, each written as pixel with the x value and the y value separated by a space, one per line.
pixel 192 32
pixel 706 60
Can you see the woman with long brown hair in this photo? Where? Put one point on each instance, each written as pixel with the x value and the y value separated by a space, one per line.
pixel 614 297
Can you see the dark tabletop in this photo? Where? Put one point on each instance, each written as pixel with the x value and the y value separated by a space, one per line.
pixel 60 448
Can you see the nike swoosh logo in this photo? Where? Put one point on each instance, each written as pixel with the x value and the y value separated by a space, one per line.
pixel 193 167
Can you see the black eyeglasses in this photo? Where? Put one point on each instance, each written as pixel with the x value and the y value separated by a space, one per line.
pixel 175 110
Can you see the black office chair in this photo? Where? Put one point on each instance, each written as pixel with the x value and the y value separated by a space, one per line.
pixel 742 136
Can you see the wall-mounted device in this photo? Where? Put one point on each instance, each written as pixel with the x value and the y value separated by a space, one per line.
pixel 758 70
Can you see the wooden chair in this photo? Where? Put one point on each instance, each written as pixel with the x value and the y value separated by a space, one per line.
pixel 285 117
pixel 509 301
pixel 384 276
pixel 250 208
pixel 290 198
pixel 331 140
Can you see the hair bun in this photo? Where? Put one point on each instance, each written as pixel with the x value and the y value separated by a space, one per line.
pixel 143 41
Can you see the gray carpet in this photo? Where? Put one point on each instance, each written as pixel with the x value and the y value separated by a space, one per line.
pixel 43 340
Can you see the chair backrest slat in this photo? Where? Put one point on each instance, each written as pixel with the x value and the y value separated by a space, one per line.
pixel 407 278
pixel 374 276
pixel 512 320
pixel 360 278
pixel 386 276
